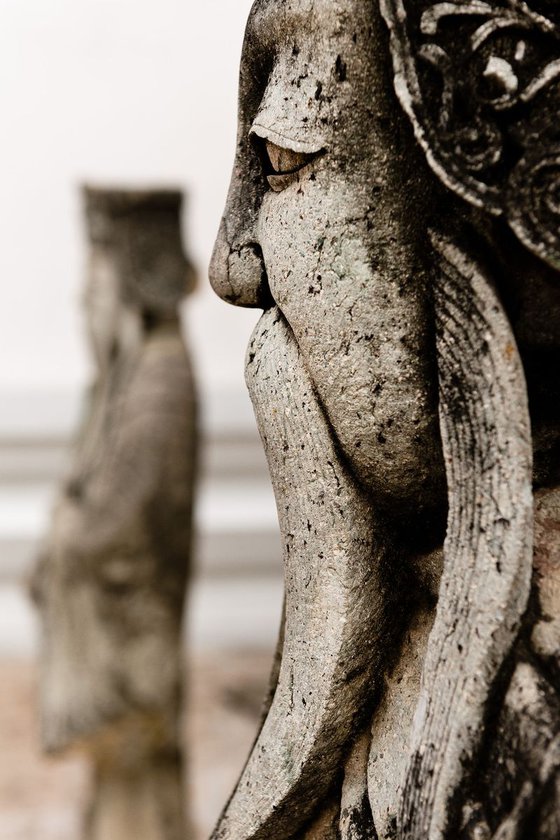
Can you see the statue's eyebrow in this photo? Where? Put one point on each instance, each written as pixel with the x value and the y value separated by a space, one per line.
pixel 270 23
pixel 258 52
pixel 260 26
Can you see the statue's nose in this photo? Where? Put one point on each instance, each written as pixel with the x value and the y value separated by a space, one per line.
pixel 237 272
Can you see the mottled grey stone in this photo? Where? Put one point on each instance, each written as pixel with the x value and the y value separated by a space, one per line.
pixel 393 209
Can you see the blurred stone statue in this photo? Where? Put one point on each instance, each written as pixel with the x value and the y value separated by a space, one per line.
pixel 395 210
pixel 110 583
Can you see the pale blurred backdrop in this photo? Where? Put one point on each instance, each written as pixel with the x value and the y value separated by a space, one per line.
pixel 134 93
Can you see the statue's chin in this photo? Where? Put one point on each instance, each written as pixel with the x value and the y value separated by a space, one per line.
pixel 334 632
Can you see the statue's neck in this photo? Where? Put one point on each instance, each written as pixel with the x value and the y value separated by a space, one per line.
pixel 170 326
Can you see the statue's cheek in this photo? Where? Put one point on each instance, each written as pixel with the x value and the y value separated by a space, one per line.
pixel 290 235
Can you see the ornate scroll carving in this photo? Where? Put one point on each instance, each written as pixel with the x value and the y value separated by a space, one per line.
pixel 481 83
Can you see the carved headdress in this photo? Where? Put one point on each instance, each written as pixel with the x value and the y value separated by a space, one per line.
pixel 480 82
pixel 143 229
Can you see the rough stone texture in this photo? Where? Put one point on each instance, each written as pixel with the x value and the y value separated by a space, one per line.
pixel 111 579
pixel 394 210
pixel 389 753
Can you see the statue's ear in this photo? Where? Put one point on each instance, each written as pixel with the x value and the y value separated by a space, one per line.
pixel 480 82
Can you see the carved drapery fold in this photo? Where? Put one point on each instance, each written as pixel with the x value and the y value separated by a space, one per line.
pixel 488 548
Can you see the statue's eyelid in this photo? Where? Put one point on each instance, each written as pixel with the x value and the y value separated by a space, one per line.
pixel 261 132
pixel 283 161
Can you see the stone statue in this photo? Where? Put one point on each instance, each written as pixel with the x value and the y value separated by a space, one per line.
pixel 111 580
pixel 394 209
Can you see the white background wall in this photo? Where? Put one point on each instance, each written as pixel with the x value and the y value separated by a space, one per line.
pixel 127 91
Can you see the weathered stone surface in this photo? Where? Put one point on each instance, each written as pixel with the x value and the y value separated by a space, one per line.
pixel 394 210
pixel 111 580
pixel 488 547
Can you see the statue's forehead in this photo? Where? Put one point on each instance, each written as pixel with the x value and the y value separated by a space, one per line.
pixel 275 22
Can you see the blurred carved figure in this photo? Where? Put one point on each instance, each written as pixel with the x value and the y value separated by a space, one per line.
pixel 111 580
pixel 395 210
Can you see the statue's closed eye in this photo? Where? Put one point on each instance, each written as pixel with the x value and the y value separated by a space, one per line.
pixel 282 166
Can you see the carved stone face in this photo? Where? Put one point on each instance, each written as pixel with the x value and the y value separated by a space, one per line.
pixel 322 215
pixel 102 303
pixel 137 266
pixel 325 229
